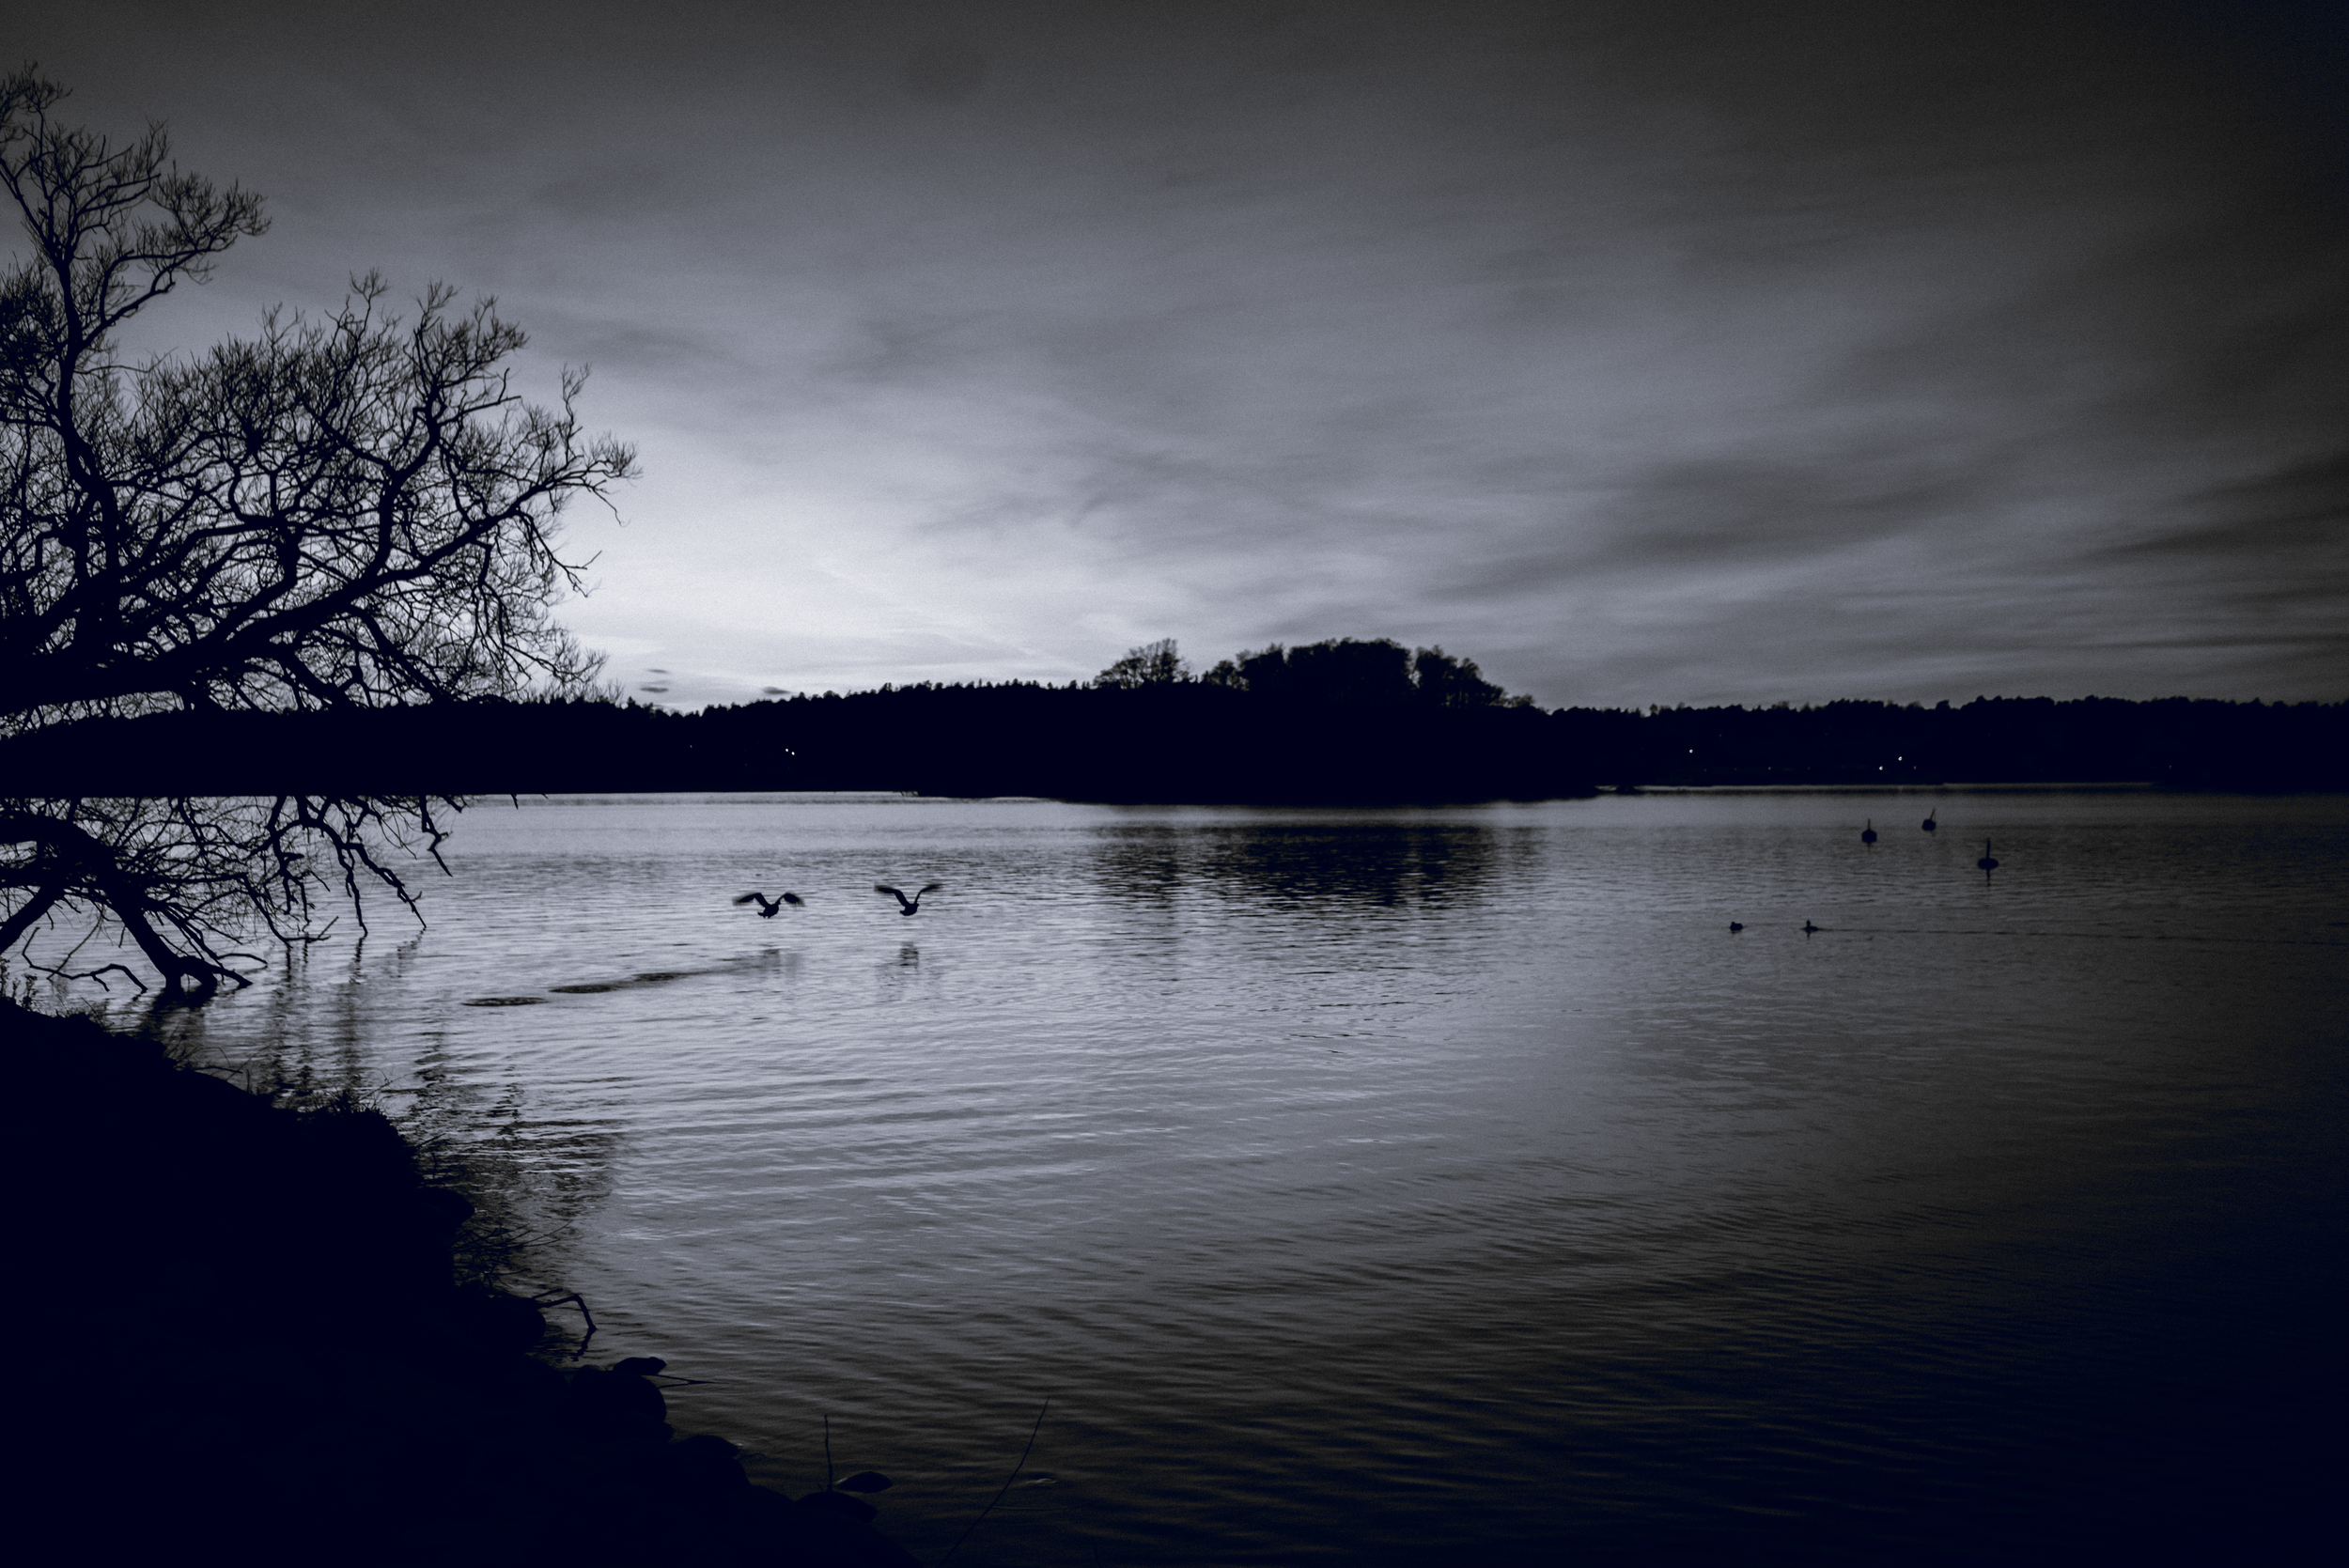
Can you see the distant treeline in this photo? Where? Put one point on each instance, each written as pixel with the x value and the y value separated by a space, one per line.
pixel 2177 742
pixel 1338 723
pixel 1187 743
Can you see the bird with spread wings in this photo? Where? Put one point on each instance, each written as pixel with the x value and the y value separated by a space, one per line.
pixel 767 908
pixel 908 906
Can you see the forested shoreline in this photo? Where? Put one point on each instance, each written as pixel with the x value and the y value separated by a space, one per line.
pixel 1193 742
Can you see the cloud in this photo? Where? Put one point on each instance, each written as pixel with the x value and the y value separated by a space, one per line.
pixel 1654 352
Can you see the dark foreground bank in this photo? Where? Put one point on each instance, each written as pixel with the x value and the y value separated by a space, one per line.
pixel 250 1347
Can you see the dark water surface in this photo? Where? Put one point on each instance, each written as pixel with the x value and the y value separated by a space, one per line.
pixel 1410 1185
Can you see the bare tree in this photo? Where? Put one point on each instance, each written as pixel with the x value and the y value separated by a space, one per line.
pixel 1439 680
pixel 348 512
pixel 1159 663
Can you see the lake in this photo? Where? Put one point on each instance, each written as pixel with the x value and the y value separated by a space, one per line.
pixel 1415 1184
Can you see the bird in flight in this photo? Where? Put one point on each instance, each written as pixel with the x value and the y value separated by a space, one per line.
pixel 906 906
pixel 768 906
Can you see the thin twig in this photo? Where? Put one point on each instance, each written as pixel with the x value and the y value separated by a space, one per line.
pixel 548 1298
pixel 1001 1490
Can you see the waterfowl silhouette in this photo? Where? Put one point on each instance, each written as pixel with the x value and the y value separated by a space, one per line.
pixel 1929 824
pixel 1736 926
pixel 1987 863
pixel 908 906
pixel 767 906
pixel 1868 833
pixel 1808 928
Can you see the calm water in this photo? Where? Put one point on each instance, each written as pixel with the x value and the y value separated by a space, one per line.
pixel 1372 1186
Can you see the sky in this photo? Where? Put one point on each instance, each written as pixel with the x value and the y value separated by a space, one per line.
pixel 1644 351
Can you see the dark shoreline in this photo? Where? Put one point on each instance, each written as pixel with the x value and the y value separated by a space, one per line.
pixel 252 1346
pixel 1189 744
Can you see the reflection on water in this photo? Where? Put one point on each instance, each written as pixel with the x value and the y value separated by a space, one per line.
pixel 1359 1184
pixel 1330 860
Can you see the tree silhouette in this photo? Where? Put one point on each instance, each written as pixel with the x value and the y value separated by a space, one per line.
pixel 1159 663
pixel 1347 673
pixel 345 513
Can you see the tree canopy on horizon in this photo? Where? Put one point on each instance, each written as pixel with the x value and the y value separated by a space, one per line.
pixel 1346 673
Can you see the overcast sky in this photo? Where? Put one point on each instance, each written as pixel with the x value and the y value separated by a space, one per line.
pixel 1655 351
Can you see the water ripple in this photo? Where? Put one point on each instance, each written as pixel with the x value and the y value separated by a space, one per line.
pixel 1343 1177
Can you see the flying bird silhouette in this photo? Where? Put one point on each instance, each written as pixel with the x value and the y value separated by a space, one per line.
pixel 767 906
pixel 908 906
pixel 1868 833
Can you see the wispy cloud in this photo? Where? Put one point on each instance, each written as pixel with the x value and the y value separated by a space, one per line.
pixel 1646 353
